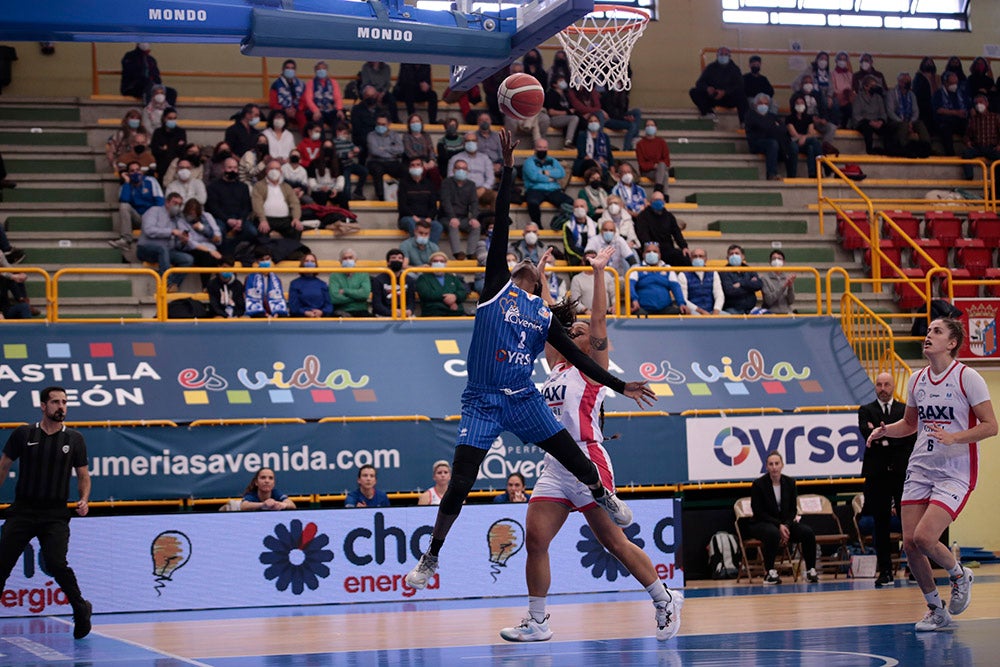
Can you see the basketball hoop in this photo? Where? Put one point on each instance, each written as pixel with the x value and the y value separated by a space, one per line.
pixel 599 47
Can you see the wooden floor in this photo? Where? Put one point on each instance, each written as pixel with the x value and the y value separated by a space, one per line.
pixel 829 624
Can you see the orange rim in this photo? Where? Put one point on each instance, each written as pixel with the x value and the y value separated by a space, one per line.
pixel 641 19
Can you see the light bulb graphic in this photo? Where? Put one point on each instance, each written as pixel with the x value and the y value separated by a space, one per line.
pixel 505 538
pixel 170 550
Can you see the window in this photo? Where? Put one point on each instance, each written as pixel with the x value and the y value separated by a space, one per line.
pixel 891 14
pixel 649 6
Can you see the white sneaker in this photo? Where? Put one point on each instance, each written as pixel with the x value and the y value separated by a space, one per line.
pixel 122 243
pixel 961 592
pixel 422 573
pixel 772 578
pixel 935 619
pixel 530 630
pixel 668 616
pixel 616 508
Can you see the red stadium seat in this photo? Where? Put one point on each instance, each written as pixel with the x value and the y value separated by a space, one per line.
pixel 936 251
pixel 850 239
pixel 962 291
pixel 908 297
pixel 890 250
pixel 909 225
pixel 985 226
pixel 945 228
pixel 974 256
pixel 993 291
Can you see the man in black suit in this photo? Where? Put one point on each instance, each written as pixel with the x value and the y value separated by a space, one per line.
pixel 884 469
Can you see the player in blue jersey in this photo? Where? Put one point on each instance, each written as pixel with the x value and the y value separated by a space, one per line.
pixel 511 329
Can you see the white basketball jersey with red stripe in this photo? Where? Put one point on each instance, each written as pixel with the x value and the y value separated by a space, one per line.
pixel 576 403
pixel 945 401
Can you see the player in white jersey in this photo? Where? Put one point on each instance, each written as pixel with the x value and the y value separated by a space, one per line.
pixel 576 401
pixel 949 408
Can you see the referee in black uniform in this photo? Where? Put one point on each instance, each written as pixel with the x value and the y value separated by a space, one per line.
pixel 48 452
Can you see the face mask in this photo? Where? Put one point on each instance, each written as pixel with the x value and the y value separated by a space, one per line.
pixel 593 126
pixel 421 240
pixel 321 74
pixel 191 219
pixel 416 172
pixel 133 123
pixel 822 64
pixel 170 124
pixel 981 108
pixel 905 85
pixel 381 129
pixel 451 132
pixel 348 263
pixel 580 212
pixel 595 184
pixel 542 155
pixel 531 238
pixel 264 264
pixel 289 73
pixel 650 130
pixel 471 146
pixel 511 265
pixel 658 204
pixel 735 260
pixel 294 159
pixel 255 120
pixel 437 265
pixel 777 261
pixel 608 236
pixel 930 69
pixel 461 174
pixel 279 123
pixel 484 126
pixel 172 211
pixel 953 88
pixel 159 98
pixel 143 46
pixel 614 209
pixel 395 266
pixel 627 178
pixel 139 149
pixel 261 149
pixel 723 60
pixel 865 66
pixel 808 87
pixel 230 175
pixel 135 177
pixel 652 258
pixel 227 276
pixel 755 70
pixel 562 85
pixel 416 127
pixel 842 64
pixel 183 174
pixel 763 108
pixel 800 107
pixel 875 90
pixel 370 101
pixel 273 175
pixel 315 136
pixel 328 151
pixel 698 261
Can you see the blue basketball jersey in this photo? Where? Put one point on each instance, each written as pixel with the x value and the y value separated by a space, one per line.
pixel 509 333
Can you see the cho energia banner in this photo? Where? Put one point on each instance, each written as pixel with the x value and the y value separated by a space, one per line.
pixel 185 371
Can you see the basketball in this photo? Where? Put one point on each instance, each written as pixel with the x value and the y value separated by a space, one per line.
pixel 520 96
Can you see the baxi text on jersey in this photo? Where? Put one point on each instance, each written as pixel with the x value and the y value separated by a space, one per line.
pixel 936 412
pixel 178 15
pixel 385 34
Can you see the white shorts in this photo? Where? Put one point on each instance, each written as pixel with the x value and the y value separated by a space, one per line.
pixel 556 484
pixel 931 488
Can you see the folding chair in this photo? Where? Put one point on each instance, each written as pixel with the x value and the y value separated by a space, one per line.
pixel 787 560
pixel 858 504
pixel 817 513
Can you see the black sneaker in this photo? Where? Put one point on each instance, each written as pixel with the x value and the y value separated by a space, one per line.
pixel 812 576
pixel 772 578
pixel 884 579
pixel 14 255
pixel 81 621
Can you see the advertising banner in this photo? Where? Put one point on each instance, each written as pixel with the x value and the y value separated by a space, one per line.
pixel 263 559
pixel 812 445
pixel 185 371
pixel 979 317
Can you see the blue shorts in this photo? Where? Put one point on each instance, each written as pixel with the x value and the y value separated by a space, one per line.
pixel 486 414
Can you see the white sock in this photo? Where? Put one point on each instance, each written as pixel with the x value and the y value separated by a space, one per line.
pixel 658 592
pixel 956 571
pixel 536 607
pixel 933 599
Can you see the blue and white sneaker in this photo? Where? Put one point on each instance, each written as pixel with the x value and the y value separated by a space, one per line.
pixel 668 616
pixel 530 630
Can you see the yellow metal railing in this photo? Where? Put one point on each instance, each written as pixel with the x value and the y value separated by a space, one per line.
pixel 34 271
pixel 80 271
pixel 872 340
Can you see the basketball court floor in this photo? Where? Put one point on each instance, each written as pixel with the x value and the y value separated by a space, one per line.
pixel 831 624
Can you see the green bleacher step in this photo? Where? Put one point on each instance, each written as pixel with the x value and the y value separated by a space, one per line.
pixel 760 226
pixel 717 173
pixel 73 256
pixel 56 223
pixel 689 124
pixel 793 255
pixel 805 288
pixel 45 138
pixel 41 114
pixel 67 166
pixel 91 316
pixel 91 289
pixel 735 198
pixel 909 349
pixel 23 195
pixel 713 147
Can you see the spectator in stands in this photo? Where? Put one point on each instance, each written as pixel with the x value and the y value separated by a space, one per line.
pixel 382 290
pixel 870 115
pixel 619 114
pixel 140 72
pixel 349 157
pixel 925 85
pixel 776 521
pixel 824 116
pixel 136 196
pixel 364 118
pixel 740 287
pixel 322 100
pixel 327 183
pixel 534 66
pixel 480 166
pixel 366 495
pixel 702 289
pixel 562 114
pixel 593 193
pixel 515 492
pixel 140 153
pixel 632 194
pixel 441 294
pixel 451 144
pixel 263 292
pixel 558 286
pixel 982 136
pixel 280 140
pixel 536 127
pixel 955 67
pixel 488 141
pixel 608 235
pixel 215 166
pixel 767 133
pixel 754 82
pixel 242 134
pixel 656 223
pixel 803 134
pixel 308 295
pixel 577 231
pixel 720 85
pixel 560 66
pixel 951 111
pixel 418 248
pixel 385 148
pixel 186 185
pixel 261 494
pixel 152 113
pixel 293 173
pixel 530 247
pixel 464 100
pixel 980 81
pixel 653 156
pixel 586 102
pixel 417 200
pixel 201 237
pixel 230 204
pixel 842 87
pixel 10 253
pixel 287 95
pixel 414 84
pixel 622 220
pixel 14 301
pixel 191 153
pixel 253 164
pixel 225 292
pixel 460 211
pixel 312 143
pixel 656 292
pixel 442 476
pixel 120 142
pixel 161 237
pixel 349 292
pixel 777 288
pixel 418 143
pixel 905 124
pixel 168 140
pixel 491 86
pixel 543 177
pixel 866 67
pixel 581 286
pixel 275 205
pixel 378 75
pixel 593 149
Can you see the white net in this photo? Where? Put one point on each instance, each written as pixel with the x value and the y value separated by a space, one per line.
pixel 599 46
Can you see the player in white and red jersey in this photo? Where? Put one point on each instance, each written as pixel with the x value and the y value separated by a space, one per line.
pixel 576 402
pixel 949 408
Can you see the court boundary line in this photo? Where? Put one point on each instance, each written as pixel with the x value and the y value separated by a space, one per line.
pixel 136 644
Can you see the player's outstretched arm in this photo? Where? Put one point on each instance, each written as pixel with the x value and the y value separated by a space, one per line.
pixel 637 391
pixel 497 273
pixel 599 309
